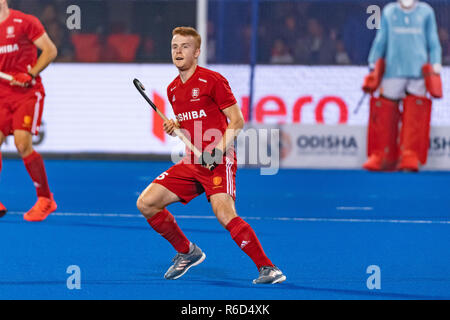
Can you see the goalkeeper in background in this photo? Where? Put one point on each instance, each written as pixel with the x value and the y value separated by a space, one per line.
pixel 405 60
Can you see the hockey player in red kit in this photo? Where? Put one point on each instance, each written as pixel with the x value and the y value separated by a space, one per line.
pixel 22 99
pixel 204 106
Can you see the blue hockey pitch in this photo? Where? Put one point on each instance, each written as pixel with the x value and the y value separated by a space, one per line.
pixel 323 228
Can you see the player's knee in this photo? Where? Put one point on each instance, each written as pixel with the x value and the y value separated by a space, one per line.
pixel 24 148
pixel 224 214
pixel 225 218
pixel 146 207
pixel 140 204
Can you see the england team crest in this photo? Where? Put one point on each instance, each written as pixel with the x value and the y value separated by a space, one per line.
pixel 195 93
pixel 10 32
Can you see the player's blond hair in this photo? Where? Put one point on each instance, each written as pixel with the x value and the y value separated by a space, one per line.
pixel 188 31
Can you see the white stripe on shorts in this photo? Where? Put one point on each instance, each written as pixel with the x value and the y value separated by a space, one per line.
pixel 230 185
pixel 37 107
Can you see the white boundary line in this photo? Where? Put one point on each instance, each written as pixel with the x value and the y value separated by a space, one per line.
pixel 212 217
pixel 354 208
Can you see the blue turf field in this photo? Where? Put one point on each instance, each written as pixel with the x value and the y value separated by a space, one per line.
pixel 335 224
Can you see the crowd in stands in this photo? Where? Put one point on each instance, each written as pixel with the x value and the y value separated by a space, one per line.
pixel 289 32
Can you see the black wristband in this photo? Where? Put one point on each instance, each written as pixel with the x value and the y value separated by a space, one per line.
pixel 217 153
pixel 209 158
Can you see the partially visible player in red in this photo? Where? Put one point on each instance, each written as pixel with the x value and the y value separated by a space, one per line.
pixel 203 104
pixel 22 99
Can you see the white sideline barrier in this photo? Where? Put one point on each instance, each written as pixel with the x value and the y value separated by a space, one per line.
pixel 94 108
pixel 323 146
pixel 344 147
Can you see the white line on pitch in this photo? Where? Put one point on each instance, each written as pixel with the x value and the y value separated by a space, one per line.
pixel 123 215
pixel 354 208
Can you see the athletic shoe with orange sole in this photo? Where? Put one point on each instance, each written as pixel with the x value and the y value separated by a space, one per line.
pixel 2 210
pixel 377 163
pixel 42 208
pixel 374 163
pixel 409 162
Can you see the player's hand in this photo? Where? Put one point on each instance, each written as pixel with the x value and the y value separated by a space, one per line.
pixel 210 160
pixel 22 80
pixel 170 126
pixel 373 79
pixel 370 83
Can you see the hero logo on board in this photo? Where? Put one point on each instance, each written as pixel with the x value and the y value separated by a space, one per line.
pixel 267 108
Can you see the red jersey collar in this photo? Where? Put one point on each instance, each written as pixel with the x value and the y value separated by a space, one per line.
pixel 192 76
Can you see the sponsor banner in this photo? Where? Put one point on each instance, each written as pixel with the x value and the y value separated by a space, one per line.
pixel 322 146
pixel 96 108
pixel 439 151
pixel 344 147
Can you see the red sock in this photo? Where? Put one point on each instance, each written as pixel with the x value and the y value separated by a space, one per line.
pixel 164 223
pixel 36 170
pixel 246 239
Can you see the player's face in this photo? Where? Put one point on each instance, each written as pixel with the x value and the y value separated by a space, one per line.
pixel 184 51
pixel 407 3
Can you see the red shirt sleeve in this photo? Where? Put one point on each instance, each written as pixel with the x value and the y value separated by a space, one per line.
pixel 33 28
pixel 168 95
pixel 222 94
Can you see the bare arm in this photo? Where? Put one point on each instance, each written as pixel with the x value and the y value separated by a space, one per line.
pixel 48 54
pixel 235 125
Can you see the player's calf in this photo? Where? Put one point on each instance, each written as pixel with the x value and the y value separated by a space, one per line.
pixel 152 204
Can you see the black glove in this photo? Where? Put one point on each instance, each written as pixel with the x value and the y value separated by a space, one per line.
pixel 211 160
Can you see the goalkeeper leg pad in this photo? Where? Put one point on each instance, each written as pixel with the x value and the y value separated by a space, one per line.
pixel 415 132
pixel 382 134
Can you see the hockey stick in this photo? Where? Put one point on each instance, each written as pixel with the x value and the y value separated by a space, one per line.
pixel 360 102
pixel 139 86
pixel 6 76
